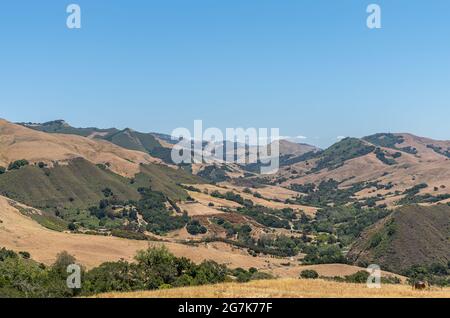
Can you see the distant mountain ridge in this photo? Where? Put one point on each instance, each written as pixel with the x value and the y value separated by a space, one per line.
pixel 156 144
pixel 126 138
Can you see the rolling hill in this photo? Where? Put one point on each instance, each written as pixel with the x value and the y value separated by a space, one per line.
pixel 390 164
pixel 320 205
pixel 412 235
pixel 127 138
pixel 18 142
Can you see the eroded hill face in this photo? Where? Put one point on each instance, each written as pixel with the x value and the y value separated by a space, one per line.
pixel 18 142
pixel 412 235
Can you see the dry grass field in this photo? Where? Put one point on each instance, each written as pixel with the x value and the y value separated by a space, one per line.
pixel 21 233
pixel 287 288
pixel 270 193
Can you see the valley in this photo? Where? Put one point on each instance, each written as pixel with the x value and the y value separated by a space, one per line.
pixel 103 195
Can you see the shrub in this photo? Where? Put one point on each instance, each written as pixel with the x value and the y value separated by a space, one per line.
pixel 129 235
pixel 2 170
pixel 72 226
pixel 25 255
pixel 358 277
pixel 194 228
pixel 41 165
pixel 17 164
pixel 309 274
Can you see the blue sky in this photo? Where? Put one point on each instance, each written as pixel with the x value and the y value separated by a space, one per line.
pixel 308 67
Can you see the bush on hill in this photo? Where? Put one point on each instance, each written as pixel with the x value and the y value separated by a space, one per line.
pixel 194 228
pixel 309 274
pixel 18 164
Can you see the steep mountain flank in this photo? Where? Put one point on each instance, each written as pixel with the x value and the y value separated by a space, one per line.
pixel 412 235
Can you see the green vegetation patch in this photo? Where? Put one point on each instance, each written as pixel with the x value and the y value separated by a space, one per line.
pixel 76 185
pixel 166 180
pixel 389 140
pixel 336 155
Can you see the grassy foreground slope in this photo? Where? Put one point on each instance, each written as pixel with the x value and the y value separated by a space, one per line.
pixel 286 288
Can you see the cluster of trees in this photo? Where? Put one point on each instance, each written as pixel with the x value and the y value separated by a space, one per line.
pixel 23 277
pixel 390 141
pixel 412 195
pixel 440 150
pixel 15 165
pixel 265 216
pixel 285 245
pixel 231 196
pixel 154 211
pixel 382 157
pixel 328 192
pixel 191 188
pixel 435 274
pixel 215 174
pixel 152 206
pixel 243 276
pixel 309 274
pixel 336 155
pixel 194 228
pixel 154 268
pixel 18 164
pixel 361 277
pixel 323 254
pixel 242 231
pixel 345 222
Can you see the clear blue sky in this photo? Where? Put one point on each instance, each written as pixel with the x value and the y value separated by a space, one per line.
pixel 309 67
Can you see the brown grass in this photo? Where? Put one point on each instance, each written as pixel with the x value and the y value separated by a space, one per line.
pixel 21 233
pixel 18 142
pixel 272 193
pixel 287 288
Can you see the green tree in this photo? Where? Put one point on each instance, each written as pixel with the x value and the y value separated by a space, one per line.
pixel 309 274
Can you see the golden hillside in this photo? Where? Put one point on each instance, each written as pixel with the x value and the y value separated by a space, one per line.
pixel 18 142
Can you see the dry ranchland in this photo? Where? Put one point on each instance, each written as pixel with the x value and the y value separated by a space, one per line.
pixel 288 288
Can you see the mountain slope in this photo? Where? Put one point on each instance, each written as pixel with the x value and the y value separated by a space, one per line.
pixel 394 162
pixel 126 138
pixel 412 235
pixel 18 142
pixel 76 184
